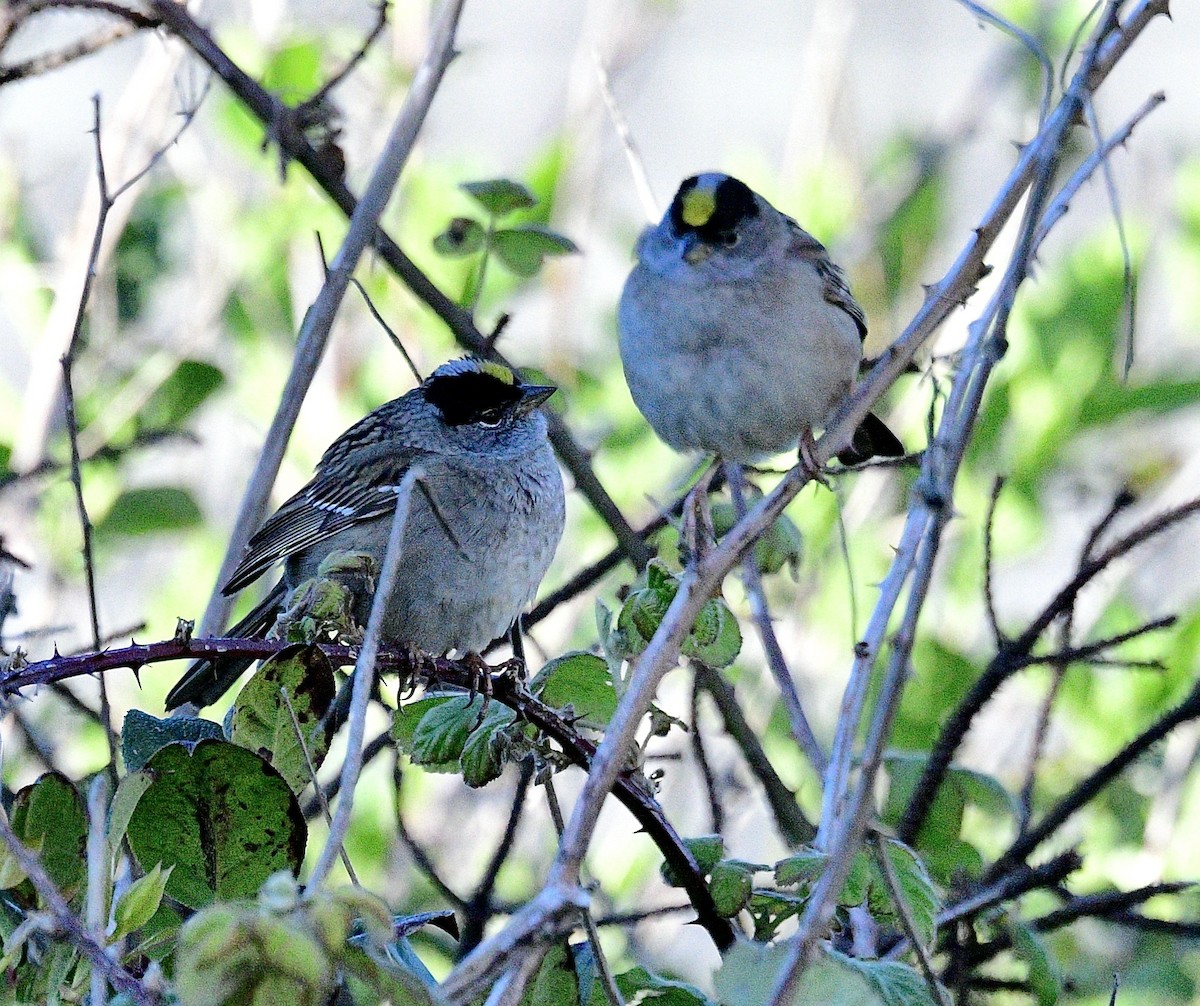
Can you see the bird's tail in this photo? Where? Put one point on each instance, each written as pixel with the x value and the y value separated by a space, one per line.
pixel 207 680
pixel 871 439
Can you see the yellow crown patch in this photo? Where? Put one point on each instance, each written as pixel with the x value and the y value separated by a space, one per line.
pixel 498 371
pixel 698 206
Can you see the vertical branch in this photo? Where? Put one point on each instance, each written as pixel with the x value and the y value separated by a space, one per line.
pixel 364 680
pixel 97 880
pixel 802 733
pixel 314 330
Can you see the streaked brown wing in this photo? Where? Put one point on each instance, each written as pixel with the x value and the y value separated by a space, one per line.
pixel 356 481
pixel 808 248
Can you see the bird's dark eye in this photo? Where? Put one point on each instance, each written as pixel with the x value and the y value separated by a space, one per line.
pixel 730 238
pixel 489 419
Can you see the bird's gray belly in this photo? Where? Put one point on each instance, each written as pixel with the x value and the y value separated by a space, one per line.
pixel 731 376
pixel 460 596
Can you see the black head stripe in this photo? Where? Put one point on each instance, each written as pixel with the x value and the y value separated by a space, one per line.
pixel 733 203
pixel 677 222
pixel 469 396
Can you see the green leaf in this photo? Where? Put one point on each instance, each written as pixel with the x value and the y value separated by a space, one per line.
pixel 221 816
pixel 649 989
pixel 442 733
pixel 142 735
pixel 500 196
pixel 189 385
pixel 484 754
pixel 581 681
pixel 716 638
pixel 408 717
pixel 748 973
pixel 138 904
pixel 894 984
pixel 524 248
pixel 294 69
pixel 463 236
pixel 49 817
pixel 150 511
pixel 915 887
pixel 779 545
pixel 802 868
pixel 730 884
pixel 555 983
pixel 262 720
pixel 706 850
pixel 945 854
pixel 1044 979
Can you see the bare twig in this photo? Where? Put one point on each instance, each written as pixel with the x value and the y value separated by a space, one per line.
pixel 364 678
pixel 97 879
pixel 936 992
pixel 478 909
pixel 608 982
pixel 802 733
pixel 381 15
pixel 633 156
pixel 422 858
pixel 716 813
pixel 46 62
pixel 312 775
pixel 1086 790
pixel 314 331
pixel 1002 665
pixel 989 526
pixel 930 513
pixel 789 819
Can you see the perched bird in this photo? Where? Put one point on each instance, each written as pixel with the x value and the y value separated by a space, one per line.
pixel 483 523
pixel 738 334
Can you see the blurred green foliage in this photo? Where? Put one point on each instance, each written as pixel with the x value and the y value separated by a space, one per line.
pixel 1059 412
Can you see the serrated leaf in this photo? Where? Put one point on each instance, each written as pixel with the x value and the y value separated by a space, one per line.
pixel 894 984
pixel 915 887
pixel 525 247
pixel 463 236
pixel 583 682
pixel 262 720
pixel 407 718
pixel 142 735
pixel 222 816
pixel 441 735
pixel 858 880
pixel 152 510
pixel 500 196
pixel 645 987
pixel 49 816
pixel 802 868
pixel 730 885
pixel 483 755
pixel 136 907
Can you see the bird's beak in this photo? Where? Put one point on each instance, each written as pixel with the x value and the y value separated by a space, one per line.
pixel 533 395
pixel 695 251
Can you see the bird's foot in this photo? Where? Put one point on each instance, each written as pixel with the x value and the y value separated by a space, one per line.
pixel 698 533
pixel 810 463
pixel 480 678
